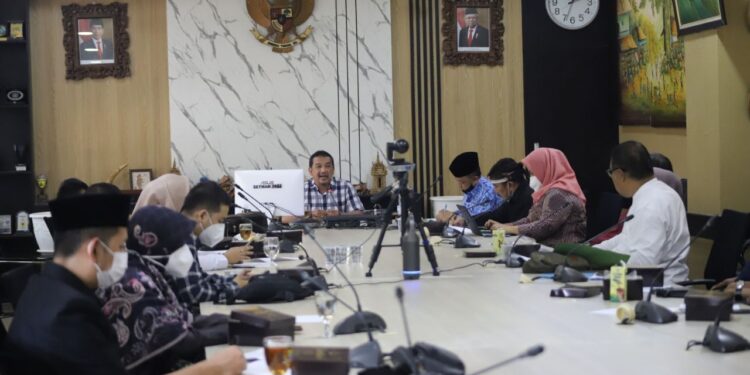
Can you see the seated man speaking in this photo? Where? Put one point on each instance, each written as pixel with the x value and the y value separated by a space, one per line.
pixel 324 194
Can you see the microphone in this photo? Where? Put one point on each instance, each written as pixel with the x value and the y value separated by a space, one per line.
pixel 515 263
pixel 244 196
pixel 530 352
pixel 651 312
pixel 366 355
pixel 463 242
pixel 422 357
pixel 565 274
pixel 383 193
pixel 282 242
pixel 363 321
pixel 720 339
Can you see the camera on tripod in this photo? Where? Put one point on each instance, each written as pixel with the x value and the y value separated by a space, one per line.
pixel 398 166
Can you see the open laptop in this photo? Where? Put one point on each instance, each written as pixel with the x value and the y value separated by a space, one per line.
pixel 277 190
pixel 471 223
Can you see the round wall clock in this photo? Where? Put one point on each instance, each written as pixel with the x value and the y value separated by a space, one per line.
pixel 572 14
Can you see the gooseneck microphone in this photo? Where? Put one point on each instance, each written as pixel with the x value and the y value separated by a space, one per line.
pixel 720 339
pixel 367 355
pixel 422 358
pixel 530 352
pixel 246 195
pixel 362 321
pixel 651 312
pixel 565 274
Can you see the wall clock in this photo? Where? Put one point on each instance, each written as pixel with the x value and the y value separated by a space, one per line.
pixel 572 14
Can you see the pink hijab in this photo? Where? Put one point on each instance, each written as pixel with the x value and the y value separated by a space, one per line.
pixel 551 167
pixel 167 191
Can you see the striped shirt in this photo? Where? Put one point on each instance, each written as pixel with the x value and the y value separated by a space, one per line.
pixel 198 286
pixel 341 197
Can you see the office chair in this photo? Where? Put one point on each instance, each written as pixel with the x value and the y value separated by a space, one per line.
pixel 13 282
pixel 606 213
pixel 727 253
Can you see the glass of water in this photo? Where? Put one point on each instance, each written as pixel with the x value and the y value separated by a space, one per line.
pixel 325 304
pixel 271 248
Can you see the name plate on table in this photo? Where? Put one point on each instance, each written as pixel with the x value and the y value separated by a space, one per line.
pixel 320 361
pixel 248 327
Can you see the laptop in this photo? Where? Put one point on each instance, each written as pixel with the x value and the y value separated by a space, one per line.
pixel 471 223
pixel 278 192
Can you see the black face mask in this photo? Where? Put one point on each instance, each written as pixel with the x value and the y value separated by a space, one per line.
pixel 471 187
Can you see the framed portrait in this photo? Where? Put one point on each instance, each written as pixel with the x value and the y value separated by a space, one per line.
pixel 96 41
pixel 473 32
pixel 139 178
pixel 698 15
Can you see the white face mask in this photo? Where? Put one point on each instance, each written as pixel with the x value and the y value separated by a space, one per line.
pixel 212 235
pixel 179 262
pixel 534 183
pixel 105 279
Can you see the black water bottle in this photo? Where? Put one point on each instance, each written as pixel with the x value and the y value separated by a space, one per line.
pixel 410 250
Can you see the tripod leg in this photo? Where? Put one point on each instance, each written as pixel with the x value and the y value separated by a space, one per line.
pixel 376 249
pixel 429 250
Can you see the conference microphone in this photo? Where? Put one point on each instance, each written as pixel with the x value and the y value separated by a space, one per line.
pixel 530 352
pixel 565 274
pixel 244 197
pixel 511 262
pixel 463 242
pixel 367 355
pixel 422 357
pixel 283 243
pixel 652 312
pixel 363 321
pixel 251 197
pixel 720 339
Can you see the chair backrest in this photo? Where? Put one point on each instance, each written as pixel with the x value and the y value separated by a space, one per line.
pixel 605 214
pixel 732 230
pixel 14 281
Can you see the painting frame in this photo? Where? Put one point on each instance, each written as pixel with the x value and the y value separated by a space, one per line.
pixel 139 184
pixel 453 51
pixel 78 67
pixel 694 26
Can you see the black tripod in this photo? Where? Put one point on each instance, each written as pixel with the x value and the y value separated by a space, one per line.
pixel 407 197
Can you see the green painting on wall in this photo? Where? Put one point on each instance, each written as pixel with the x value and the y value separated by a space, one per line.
pixel 652 64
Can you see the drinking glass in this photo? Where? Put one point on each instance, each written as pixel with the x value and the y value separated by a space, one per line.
pixel 271 248
pixel 278 350
pixel 325 305
pixel 246 231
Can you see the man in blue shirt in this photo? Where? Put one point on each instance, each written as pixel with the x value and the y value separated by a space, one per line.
pixel 479 194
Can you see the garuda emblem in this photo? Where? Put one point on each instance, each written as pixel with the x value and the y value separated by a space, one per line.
pixel 281 18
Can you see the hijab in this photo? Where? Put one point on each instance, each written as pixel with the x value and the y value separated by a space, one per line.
pixel 551 167
pixel 168 191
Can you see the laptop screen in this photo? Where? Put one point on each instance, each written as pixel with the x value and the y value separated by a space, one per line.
pixel 469 220
pixel 282 187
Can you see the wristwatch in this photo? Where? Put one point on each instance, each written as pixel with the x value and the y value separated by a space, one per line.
pixel 738 290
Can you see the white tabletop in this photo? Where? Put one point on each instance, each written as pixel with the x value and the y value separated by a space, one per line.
pixel 485 315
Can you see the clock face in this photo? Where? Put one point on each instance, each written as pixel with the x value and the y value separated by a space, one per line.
pixel 572 14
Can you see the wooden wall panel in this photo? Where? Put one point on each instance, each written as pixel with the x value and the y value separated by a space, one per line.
pixel 481 108
pixel 88 128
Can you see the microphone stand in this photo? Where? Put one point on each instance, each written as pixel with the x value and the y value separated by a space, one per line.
pixel 565 274
pixel 349 325
pixel 652 312
pixel 367 355
pixel 253 198
pixel 720 339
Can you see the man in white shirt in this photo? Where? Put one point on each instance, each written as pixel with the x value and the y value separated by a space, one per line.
pixel 659 229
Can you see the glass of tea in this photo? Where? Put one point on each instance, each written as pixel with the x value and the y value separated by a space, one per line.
pixel 246 231
pixel 278 351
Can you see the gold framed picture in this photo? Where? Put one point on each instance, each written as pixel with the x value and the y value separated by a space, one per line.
pixel 16 30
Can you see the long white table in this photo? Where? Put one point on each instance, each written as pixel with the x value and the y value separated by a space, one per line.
pixel 485 315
